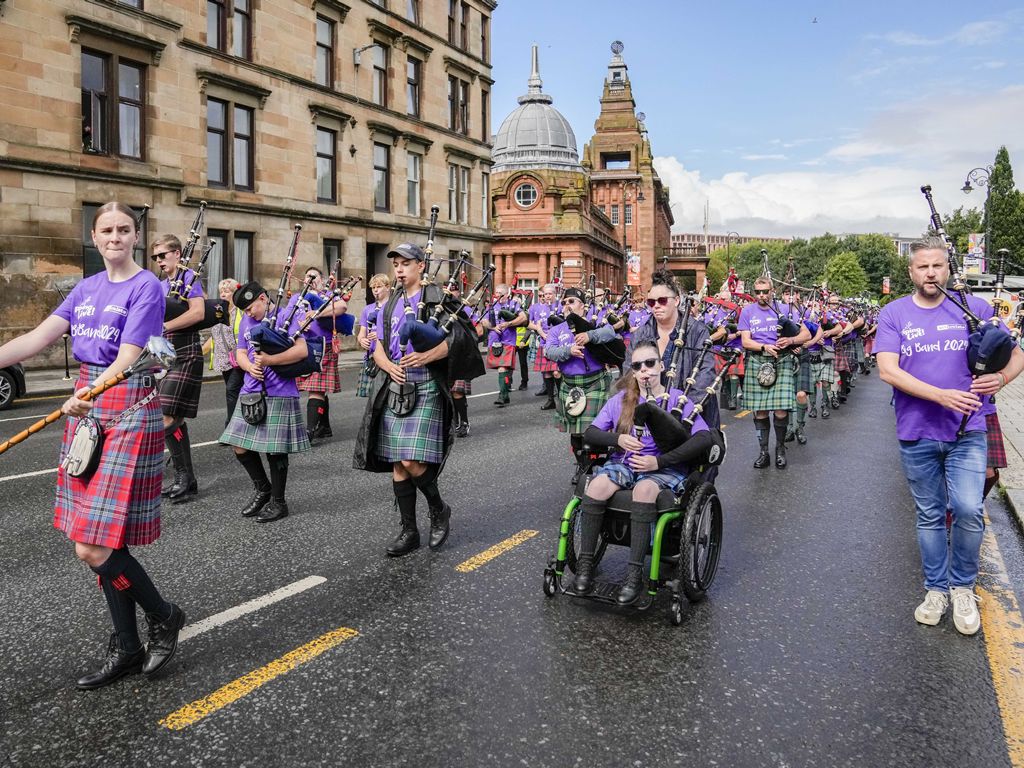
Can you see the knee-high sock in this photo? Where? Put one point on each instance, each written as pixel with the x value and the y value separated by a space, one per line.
pixel 186 446
pixel 461 409
pixel 781 424
pixel 801 414
pixel 405 497
pixel 313 411
pixel 812 396
pixel 325 417
pixel 591 521
pixel 122 613
pixel 278 475
pixel 503 381
pixel 427 484
pixel 644 514
pixel 127 574
pixel 254 468
pixel 174 437
pixel 761 428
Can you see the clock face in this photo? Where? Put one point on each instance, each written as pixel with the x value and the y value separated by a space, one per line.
pixel 617 47
pixel 641 116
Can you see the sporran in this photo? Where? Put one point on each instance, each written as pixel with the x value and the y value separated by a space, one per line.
pixel 401 398
pixel 767 374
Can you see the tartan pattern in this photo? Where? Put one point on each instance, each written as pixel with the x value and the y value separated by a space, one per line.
pixel 858 349
pixel 119 504
pixel 824 372
pixel 541 364
pixel 462 386
pixel 804 381
pixel 595 385
pixel 843 357
pixel 736 369
pixel 669 478
pixel 507 359
pixel 181 387
pixel 363 387
pixel 326 379
pixel 781 396
pixel 994 437
pixel 283 431
pixel 418 436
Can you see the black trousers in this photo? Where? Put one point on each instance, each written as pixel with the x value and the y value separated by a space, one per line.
pixel 232 387
pixel 524 363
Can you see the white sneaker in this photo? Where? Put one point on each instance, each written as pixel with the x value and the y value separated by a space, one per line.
pixel 966 618
pixel 930 611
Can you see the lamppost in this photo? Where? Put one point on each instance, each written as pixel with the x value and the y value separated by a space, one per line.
pixel 982 177
pixel 634 215
pixel 728 250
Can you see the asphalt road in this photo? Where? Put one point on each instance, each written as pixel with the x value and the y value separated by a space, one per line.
pixel 805 653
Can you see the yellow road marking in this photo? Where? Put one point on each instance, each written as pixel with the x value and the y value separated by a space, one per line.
pixel 741 414
pixel 246 684
pixel 489 554
pixel 1004 644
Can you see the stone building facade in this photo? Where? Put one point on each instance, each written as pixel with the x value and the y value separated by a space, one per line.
pixel 350 118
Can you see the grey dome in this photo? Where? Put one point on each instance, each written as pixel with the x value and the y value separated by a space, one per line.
pixel 535 135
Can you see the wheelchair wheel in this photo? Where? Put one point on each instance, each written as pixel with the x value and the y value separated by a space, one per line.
pixel 675 614
pixel 572 545
pixel 550 585
pixel 700 543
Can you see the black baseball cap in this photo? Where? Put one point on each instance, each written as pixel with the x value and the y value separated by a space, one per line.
pixel 409 251
pixel 246 294
pixel 574 293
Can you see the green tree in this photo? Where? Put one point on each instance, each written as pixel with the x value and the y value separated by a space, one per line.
pixel 877 255
pixel 960 223
pixel 1005 210
pixel 845 275
pixel 715 272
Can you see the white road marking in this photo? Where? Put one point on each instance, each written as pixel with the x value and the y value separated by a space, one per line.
pixel 23 418
pixel 54 470
pixel 222 618
pixel 482 394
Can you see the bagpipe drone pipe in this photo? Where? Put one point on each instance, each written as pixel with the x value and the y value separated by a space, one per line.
pixel 215 311
pixel 343 324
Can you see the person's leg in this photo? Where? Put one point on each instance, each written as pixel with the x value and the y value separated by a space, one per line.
pixel 504 385
pixel 253 465
pixel 965 482
pixel 761 428
pixel 233 381
pixel 549 390
pixel 314 413
pixel 801 417
pixel 592 508
pixel 408 538
pixel 924 467
pixel 278 507
pixel 424 477
pixel 644 514
pixel 524 371
pixel 781 424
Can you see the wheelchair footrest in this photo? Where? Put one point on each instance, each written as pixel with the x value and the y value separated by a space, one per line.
pixel 608 592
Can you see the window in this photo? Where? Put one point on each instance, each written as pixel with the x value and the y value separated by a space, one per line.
pixel 453 192
pixel 216 24
pixel 615 215
pixel 380 3
pixel 463 107
pixel 485 123
pixel 224 163
pixel 458 104
pixel 214 271
pixel 414 171
pixel 324 52
pixel 615 161
pixel 381 177
pixel 485 199
pixel 412 11
pixel 453 110
pixel 458 193
pixel 332 252
pixel 464 27
pixel 412 86
pixel 107 131
pixel 485 43
pixel 463 195
pixel 241 29
pixel 326 166
pixel 627 214
pixel 92 262
pixel 236 256
pixel 132 3
pixel 380 75
pixel 453 10
pixel 526 195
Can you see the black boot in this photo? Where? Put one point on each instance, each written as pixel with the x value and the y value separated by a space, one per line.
pixel 325 420
pixel 591 522
pixel 256 503
pixel 260 482
pixel 408 538
pixel 163 639
pixel 191 486
pixel 183 487
pixel 275 510
pixel 825 412
pixel 549 390
pixel 117 664
pixel 780 456
pixel 439 527
pixel 584 581
pixel 633 587
pixel 312 419
pixel 763 458
pixel 801 438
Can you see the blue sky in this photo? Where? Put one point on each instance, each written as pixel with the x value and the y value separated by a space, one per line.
pixel 787 126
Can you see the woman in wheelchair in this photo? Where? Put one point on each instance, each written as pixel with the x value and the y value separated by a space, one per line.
pixel 635 463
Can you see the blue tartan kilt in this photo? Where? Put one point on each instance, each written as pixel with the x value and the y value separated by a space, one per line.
pixel 781 396
pixel 282 431
pixel 419 436
pixel 363 387
pixel 669 478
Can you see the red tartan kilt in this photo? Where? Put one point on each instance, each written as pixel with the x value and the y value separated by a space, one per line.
pixel 506 360
pixel 119 504
pixel 994 436
pixel 542 365
pixel 326 380
pixel 736 369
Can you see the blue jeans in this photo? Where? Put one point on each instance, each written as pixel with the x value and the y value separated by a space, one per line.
pixel 947 475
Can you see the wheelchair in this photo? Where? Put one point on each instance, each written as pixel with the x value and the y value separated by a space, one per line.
pixel 687 538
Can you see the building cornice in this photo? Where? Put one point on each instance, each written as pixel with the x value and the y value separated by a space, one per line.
pixel 433 35
pixel 451 63
pixel 79 24
pixel 152 18
pixel 208 76
pixel 90 174
pixel 326 110
pixel 340 8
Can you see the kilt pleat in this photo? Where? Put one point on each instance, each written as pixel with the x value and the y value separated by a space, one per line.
pixel 327 378
pixel 181 387
pixel 994 437
pixel 843 357
pixel 804 380
pixel 363 387
pixel 462 386
pixel 418 436
pixel 823 372
pixel 541 364
pixel 736 369
pixel 119 504
pixel 781 396
pixel 595 386
pixel 506 360
pixel 283 431
pixel 858 349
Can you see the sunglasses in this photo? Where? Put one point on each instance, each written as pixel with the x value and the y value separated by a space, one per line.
pixel 661 301
pixel 567 302
pixel 758 293
pixel 636 365
pixel 158 256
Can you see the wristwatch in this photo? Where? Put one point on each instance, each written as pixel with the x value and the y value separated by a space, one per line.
pixel 762 349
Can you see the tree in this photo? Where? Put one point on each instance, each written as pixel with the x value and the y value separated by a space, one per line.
pixel 877 254
pixel 960 223
pixel 715 272
pixel 1005 211
pixel 845 275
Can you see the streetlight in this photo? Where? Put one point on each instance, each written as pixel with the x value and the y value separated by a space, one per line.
pixel 635 217
pixel 728 250
pixel 982 177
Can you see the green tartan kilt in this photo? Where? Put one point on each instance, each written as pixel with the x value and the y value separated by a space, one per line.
pixel 419 436
pixel 283 431
pixel 858 349
pixel 824 371
pixel 595 385
pixel 804 381
pixel 781 396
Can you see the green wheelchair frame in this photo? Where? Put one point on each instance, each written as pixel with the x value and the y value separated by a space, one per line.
pixel 687 539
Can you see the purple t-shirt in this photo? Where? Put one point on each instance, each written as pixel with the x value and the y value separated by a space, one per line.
pixel 608 419
pixel 562 336
pixel 276 386
pixel 398 317
pixel 368 320
pixel 762 322
pixel 508 336
pixel 538 314
pixel 932 347
pixel 104 315
pixel 195 292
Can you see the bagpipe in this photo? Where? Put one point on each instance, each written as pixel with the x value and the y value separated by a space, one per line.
pixel 343 324
pixel 612 352
pixel 989 345
pixel 215 310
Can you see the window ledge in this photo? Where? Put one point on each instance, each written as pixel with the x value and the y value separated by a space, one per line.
pixel 207 76
pixel 334 5
pixel 160 21
pixel 79 24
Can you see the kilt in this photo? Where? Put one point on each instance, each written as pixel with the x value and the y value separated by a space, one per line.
pixel 804 380
pixel 419 436
pixel 595 385
pixel 181 387
pixel 781 396
pixel 507 359
pixel 869 346
pixel 824 372
pixel 462 386
pixel 858 349
pixel 283 431
pixel 669 478
pixel 363 387
pixel 119 504
pixel 994 436
pixel 325 380
pixel 844 356
pixel 736 369
pixel 541 364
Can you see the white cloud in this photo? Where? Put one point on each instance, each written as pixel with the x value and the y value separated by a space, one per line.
pixel 869 183
pixel 973 33
pixel 763 157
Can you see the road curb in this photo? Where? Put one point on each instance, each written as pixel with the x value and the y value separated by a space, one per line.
pixel 1015 501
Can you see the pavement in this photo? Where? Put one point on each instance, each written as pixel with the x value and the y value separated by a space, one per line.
pixel 1010 404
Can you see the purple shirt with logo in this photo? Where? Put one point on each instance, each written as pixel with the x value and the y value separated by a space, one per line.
pixel 932 347
pixel 538 314
pixel 368 320
pixel 562 336
pixel 398 318
pixel 608 419
pixel 762 321
pixel 104 315
pixel 276 385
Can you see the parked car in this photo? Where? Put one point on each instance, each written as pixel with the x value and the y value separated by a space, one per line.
pixel 12 385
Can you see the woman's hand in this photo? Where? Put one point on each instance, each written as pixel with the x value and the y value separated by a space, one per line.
pixel 75 406
pixel 396 372
pixel 642 463
pixel 629 443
